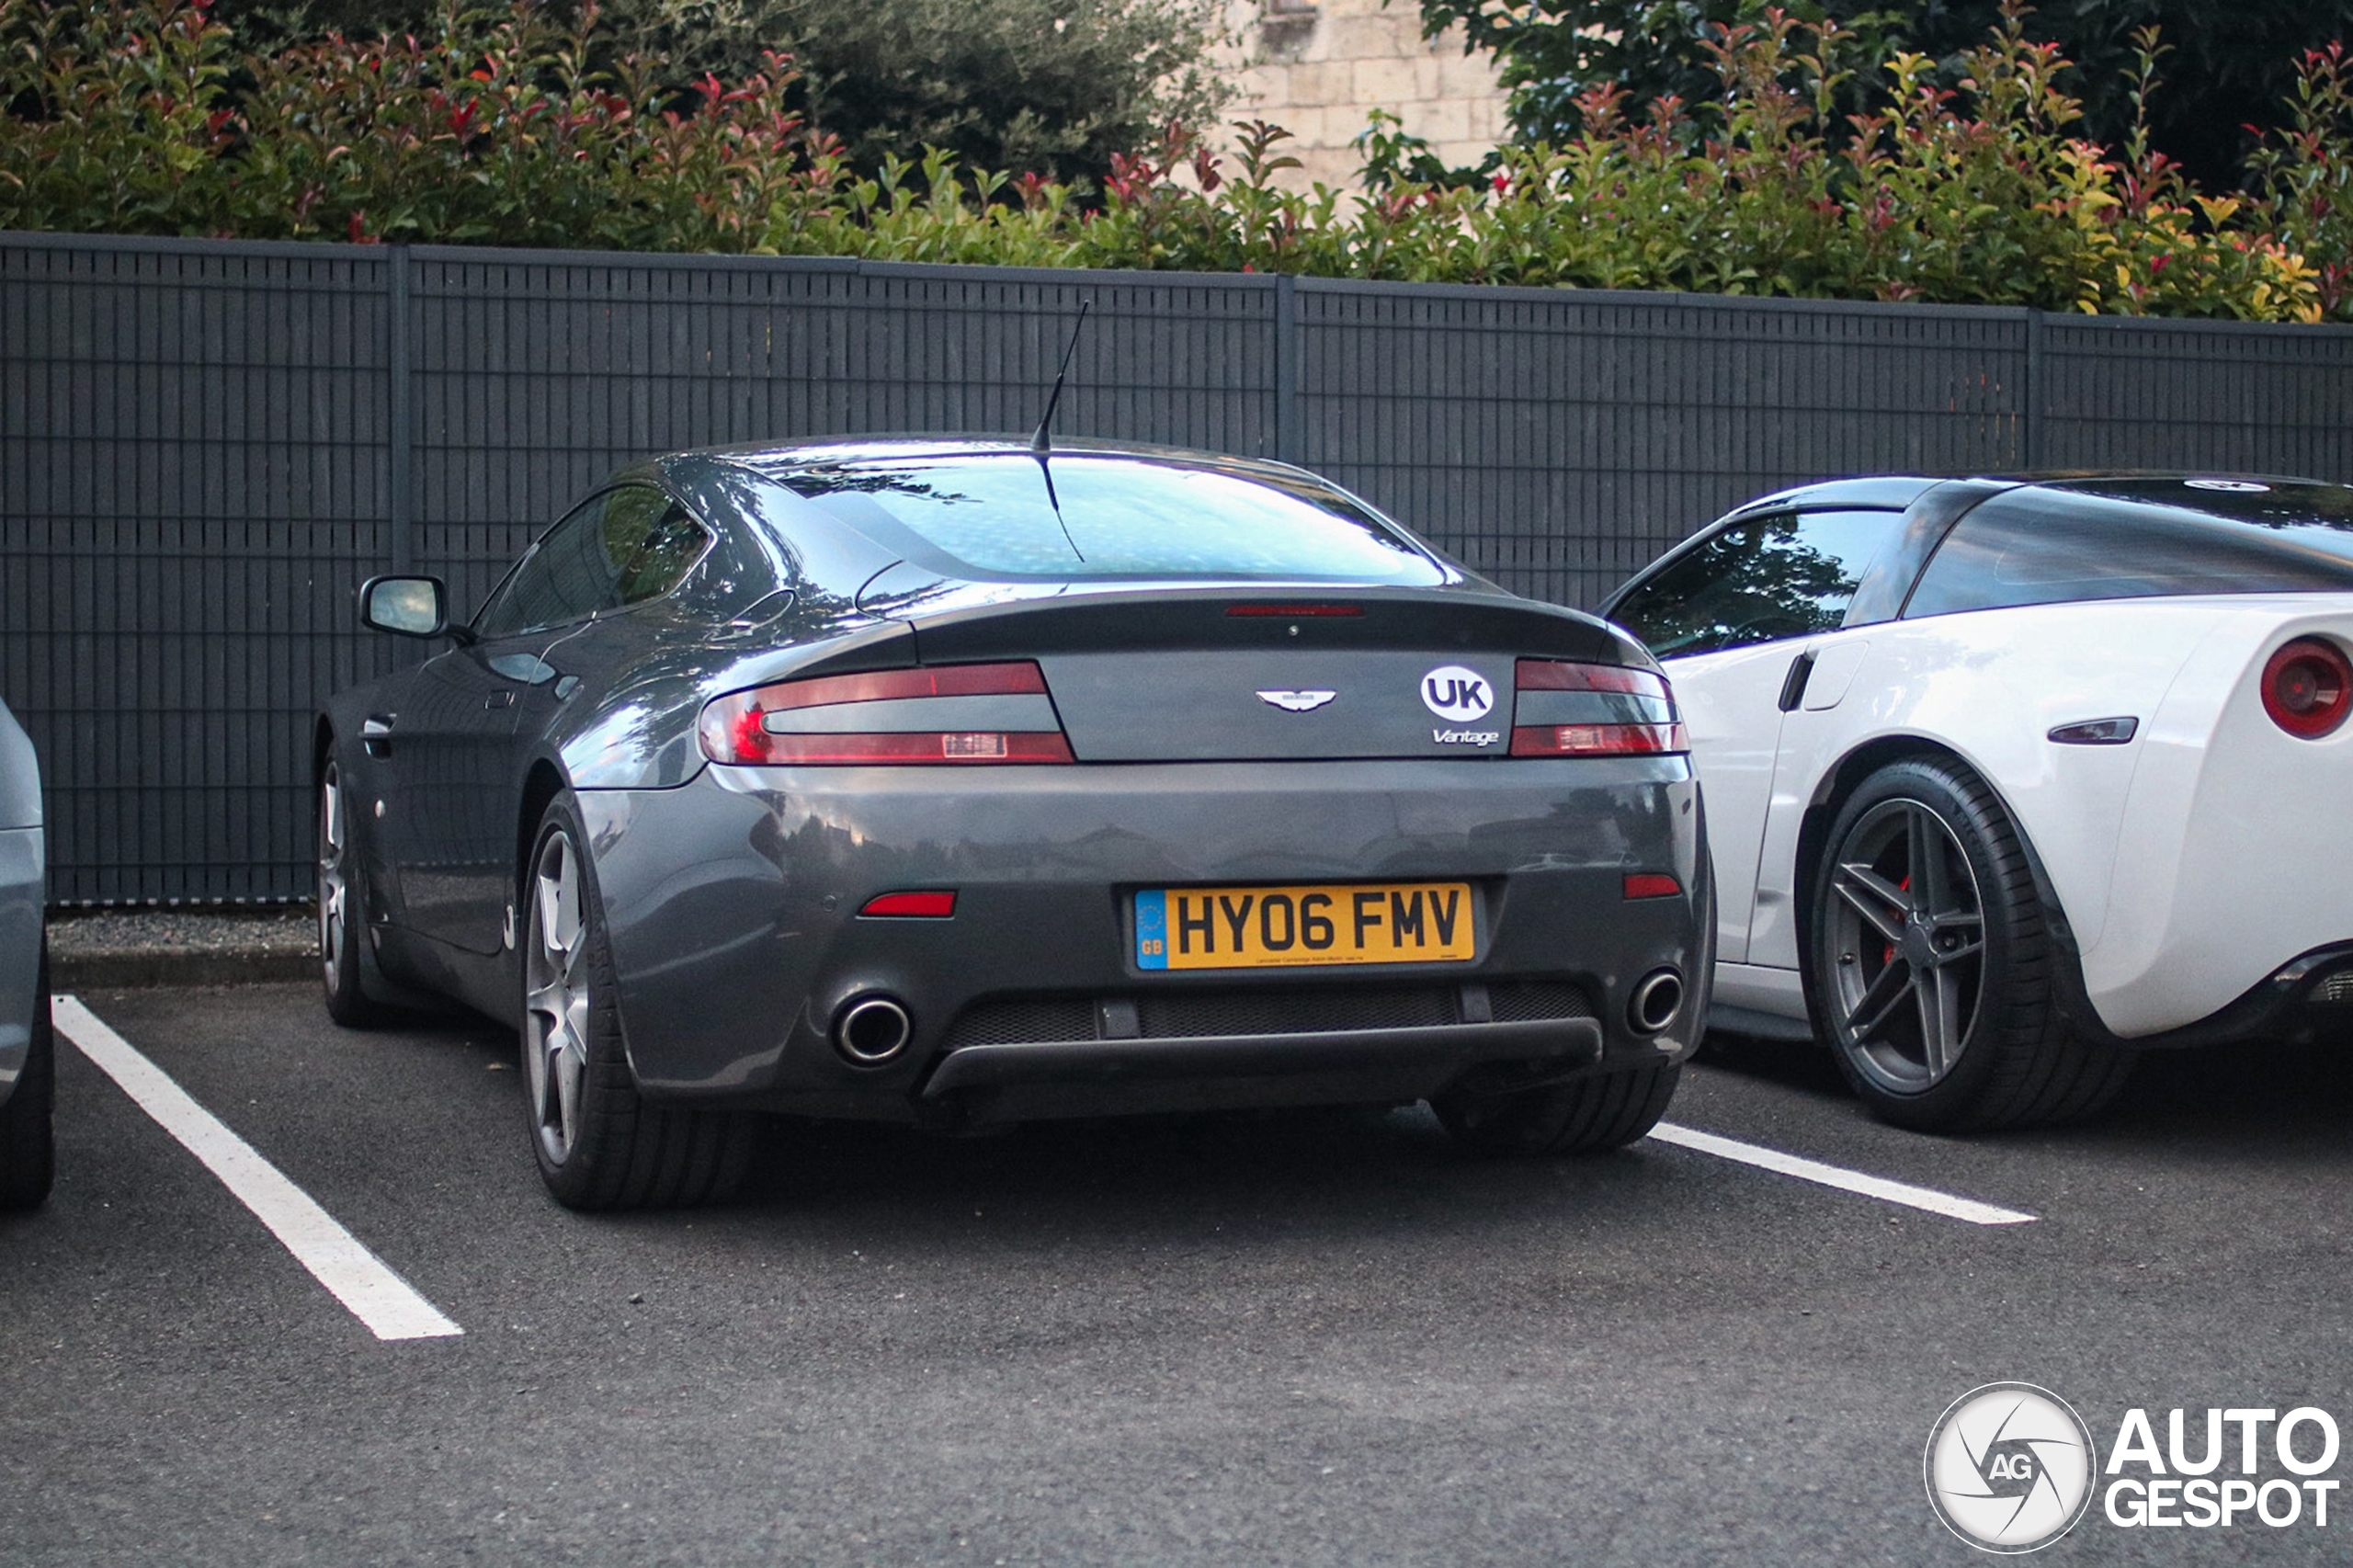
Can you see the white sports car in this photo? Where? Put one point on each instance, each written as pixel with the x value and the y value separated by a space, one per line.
pixel 2006 779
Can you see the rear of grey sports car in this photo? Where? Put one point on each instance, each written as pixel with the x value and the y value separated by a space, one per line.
pixel 1102 847
pixel 957 783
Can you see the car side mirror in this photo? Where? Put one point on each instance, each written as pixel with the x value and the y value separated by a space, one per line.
pixel 412 606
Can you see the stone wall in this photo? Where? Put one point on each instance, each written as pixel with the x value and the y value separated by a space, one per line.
pixel 1318 68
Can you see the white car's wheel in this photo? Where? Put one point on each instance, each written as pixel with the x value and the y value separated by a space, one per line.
pixel 1932 962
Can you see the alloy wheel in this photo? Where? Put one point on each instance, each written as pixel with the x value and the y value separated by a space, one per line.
pixel 335 882
pixel 1907 933
pixel 555 998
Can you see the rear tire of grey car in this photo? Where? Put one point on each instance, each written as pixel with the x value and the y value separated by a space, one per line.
pixel 1932 967
pixel 342 899
pixel 28 1145
pixel 599 1144
pixel 1584 1115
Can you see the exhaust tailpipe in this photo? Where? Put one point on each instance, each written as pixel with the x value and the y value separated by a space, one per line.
pixel 1656 1001
pixel 872 1031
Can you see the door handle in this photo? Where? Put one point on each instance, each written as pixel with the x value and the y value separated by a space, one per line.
pixel 1793 685
pixel 497 700
pixel 376 735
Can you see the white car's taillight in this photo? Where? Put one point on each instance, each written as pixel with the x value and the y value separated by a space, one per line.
pixel 1632 712
pixel 2308 687
pixel 942 715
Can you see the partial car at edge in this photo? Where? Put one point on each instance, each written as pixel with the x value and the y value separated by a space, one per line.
pixel 2009 778
pixel 952 782
pixel 28 1050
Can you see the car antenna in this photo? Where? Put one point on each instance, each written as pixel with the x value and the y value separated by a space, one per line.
pixel 1041 446
pixel 1041 443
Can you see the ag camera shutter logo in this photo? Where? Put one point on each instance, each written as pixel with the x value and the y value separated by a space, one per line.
pixel 2010 1467
pixel 1457 694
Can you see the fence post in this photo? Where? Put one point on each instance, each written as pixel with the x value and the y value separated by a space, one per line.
pixel 401 431
pixel 2030 396
pixel 1291 439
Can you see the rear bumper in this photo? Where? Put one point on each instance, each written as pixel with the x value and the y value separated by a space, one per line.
pixel 2312 991
pixel 980 1083
pixel 731 902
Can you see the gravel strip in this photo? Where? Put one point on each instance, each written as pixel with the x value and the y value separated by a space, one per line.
pixel 180 947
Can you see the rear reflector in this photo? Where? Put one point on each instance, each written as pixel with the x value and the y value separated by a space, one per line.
pixel 734 728
pixel 911 906
pixel 2308 687
pixel 1598 740
pixel 1294 611
pixel 1652 884
pixel 1558 674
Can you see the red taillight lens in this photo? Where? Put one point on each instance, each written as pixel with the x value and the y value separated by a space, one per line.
pixel 1633 711
pixel 1597 740
pixel 737 728
pixel 911 906
pixel 2308 687
pixel 1558 674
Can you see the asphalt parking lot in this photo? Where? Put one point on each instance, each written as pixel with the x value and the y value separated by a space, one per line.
pixel 1272 1339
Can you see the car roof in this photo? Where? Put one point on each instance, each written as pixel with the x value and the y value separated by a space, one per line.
pixel 1898 492
pixel 776 458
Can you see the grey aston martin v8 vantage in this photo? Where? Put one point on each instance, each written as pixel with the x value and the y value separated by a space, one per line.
pixel 945 782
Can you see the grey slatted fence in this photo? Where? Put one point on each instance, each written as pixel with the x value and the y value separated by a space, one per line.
pixel 205 445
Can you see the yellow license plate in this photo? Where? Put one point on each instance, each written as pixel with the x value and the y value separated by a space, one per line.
pixel 1279 927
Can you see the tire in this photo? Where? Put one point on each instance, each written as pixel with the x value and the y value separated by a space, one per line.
pixel 342 899
pixel 1931 964
pixel 28 1143
pixel 599 1144
pixel 1584 1115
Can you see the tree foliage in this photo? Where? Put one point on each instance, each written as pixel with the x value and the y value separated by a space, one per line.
pixel 1053 86
pixel 139 116
pixel 2231 65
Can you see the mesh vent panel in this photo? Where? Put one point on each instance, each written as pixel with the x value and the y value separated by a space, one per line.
pixel 1527 1001
pixel 1187 1014
pixel 1023 1023
pixel 1180 1013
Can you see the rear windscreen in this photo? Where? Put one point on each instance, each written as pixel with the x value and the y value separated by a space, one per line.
pixel 1075 515
pixel 2124 539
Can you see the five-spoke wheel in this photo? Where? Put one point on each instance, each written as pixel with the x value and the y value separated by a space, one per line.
pixel 555 997
pixel 1910 933
pixel 341 904
pixel 599 1143
pixel 1933 966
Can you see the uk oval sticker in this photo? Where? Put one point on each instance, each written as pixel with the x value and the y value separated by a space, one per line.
pixel 1457 694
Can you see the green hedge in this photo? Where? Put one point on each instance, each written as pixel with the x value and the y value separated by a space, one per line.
pixel 132 116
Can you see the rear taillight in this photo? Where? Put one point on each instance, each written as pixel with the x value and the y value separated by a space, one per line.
pixel 1574 709
pixel 939 714
pixel 2308 687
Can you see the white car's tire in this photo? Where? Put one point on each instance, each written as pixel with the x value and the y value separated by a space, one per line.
pixel 1931 963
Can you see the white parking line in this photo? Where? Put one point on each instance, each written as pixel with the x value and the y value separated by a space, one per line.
pixel 375 1295
pixel 1886 1191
